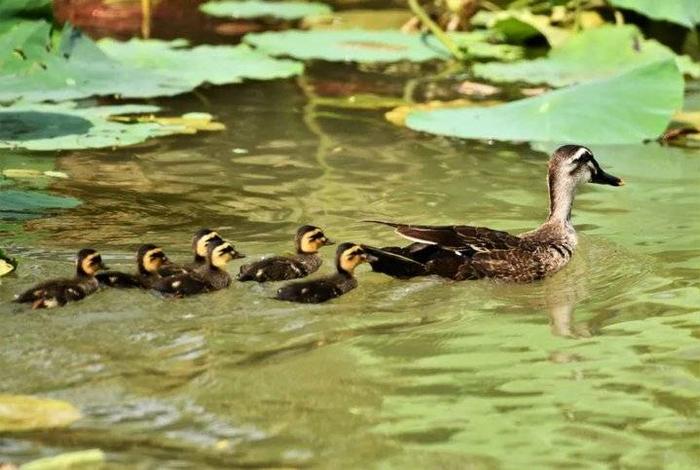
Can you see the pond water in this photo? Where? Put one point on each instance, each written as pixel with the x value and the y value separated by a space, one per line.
pixel 596 367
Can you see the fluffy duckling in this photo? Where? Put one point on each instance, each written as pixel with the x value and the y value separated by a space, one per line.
pixel 308 241
pixel 210 277
pixel 58 292
pixel 199 247
pixel 149 259
pixel 347 258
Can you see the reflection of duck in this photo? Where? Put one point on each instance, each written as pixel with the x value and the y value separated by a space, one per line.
pixel 149 260
pixel 348 257
pixel 58 292
pixel 200 240
pixel 210 277
pixel 308 241
pixel 463 252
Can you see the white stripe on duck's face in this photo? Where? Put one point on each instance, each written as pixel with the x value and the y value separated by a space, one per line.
pixel 352 257
pixel 202 243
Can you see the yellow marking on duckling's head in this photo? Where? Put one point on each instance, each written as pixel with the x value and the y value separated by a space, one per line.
pixel 90 261
pixel 222 254
pixel 349 256
pixel 154 259
pixel 201 242
pixel 310 239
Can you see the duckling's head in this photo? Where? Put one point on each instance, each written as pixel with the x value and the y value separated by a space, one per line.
pixel 89 262
pixel 349 255
pixel 150 258
pixel 220 253
pixel 310 239
pixel 574 164
pixel 201 239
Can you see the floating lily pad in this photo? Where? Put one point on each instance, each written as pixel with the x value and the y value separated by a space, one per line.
pixel 627 108
pixel 520 25
pixel 258 9
pixel 357 45
pixel 33 70
pixel 27 413
pixel 683 12
pixel 64 126
pixel 217 65
pixel 19 205
pixel 12 7
pixel 588 56
pixel 84 459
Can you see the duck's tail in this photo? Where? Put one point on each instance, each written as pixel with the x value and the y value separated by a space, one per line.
pixel 394 261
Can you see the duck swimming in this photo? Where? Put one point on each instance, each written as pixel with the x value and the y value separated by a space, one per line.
pixel 200 239
pixel 58 292
pixel 464 252
pixel 149 259
pixel 308 241
pixel 210 277
pixel 348 257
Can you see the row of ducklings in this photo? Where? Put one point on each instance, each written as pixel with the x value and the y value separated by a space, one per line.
pixel 206 272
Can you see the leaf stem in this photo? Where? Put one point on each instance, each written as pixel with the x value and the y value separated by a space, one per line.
pixel 436 30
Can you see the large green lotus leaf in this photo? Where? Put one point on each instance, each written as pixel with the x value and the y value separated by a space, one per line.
pixel 203 64
pixel 353 45
pixel 628 108
pixel 683 12
pixel 27 413
pixel 258 9
pixel 77 68
pixel 359 45
pixel 592 54
pixel 65 127
pixel 84 459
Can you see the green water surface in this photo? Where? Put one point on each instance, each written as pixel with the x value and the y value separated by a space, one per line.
pixel 597 367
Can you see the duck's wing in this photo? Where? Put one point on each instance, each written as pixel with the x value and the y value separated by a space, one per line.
pixel 117 279
pixel 516 264
pixel 310 292
pixel 181 285
pixel 457 237
pixel 276 268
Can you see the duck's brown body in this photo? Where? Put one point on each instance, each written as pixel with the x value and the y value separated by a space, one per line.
pixel 464 252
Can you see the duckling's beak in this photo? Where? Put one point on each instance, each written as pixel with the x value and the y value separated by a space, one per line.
pixel 102 266
pixel 601 177
pixel 237 255
pixel 328 242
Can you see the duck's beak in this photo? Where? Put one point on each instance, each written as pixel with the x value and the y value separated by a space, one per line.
pixel 102 266
pixel 369 258
pixel 601 177
pixel 237 255
pixel 328 242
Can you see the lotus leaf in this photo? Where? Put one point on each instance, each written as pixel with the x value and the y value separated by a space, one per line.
pixel 683 12
pixel 13 7
pixel 33 70
pixel 27 413
pixel 587 56
pixel 628 108
pixel 519 25
pixel 18 204
pixel 357 45
pixel 258 8
pixel 64 126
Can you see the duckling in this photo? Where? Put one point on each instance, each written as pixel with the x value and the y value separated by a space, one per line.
pixel 308 241
pixel 462 252
pixel 58 292
pixel 208 278
pixel 149 259
pixel 348 257
pixel 199 247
